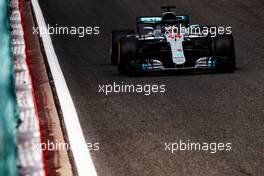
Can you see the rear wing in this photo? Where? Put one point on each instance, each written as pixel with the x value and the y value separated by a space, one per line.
pixel 153 20
pixel 157 19
pixel 148 19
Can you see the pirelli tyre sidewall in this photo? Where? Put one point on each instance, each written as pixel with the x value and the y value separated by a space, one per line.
pixel 127 51
pixel 224 48
pixel 115 38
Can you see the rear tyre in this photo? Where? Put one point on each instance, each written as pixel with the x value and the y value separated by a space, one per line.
pixel 127 51
pixel 116 36
pixel 224 48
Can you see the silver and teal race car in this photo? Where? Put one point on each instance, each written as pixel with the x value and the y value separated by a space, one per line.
pixel 170 43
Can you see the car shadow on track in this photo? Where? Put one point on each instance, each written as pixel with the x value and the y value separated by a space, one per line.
pixel 181 73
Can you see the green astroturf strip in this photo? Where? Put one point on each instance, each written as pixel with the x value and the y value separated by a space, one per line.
pixel 8 104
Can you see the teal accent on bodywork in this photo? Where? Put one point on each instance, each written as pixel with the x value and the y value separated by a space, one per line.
pixel 144 66
pixel 8 103
pixel 212 62
pixel 181 17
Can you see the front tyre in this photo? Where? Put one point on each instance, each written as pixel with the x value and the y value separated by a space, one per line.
pixel 116 36
pixel 224 48
pixel 127 51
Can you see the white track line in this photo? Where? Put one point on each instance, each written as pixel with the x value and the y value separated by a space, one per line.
pixel 81 154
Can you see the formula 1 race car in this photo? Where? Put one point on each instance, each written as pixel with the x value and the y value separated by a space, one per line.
pixel 169 42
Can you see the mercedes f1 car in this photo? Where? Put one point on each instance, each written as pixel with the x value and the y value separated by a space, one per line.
pixel 163 43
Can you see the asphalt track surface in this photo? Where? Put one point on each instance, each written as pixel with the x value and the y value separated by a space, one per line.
pixel 133 128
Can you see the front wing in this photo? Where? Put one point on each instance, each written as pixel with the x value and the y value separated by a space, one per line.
pixel 153 65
